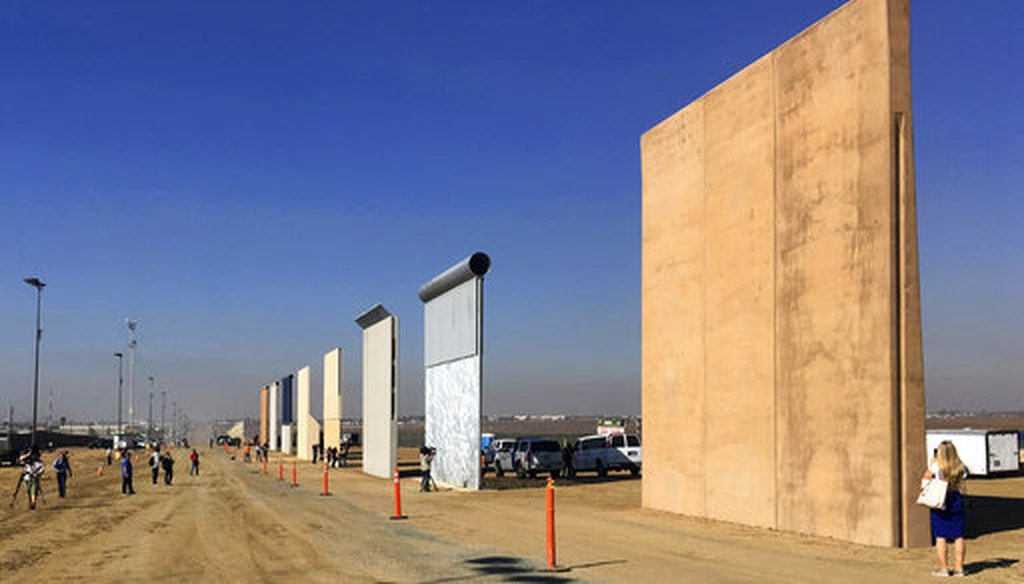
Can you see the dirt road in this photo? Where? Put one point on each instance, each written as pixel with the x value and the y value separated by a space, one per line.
pixel 234 524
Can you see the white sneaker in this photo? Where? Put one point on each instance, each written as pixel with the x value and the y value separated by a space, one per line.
pixel 941 573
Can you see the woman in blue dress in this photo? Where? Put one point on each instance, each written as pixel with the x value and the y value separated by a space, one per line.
pixel 948 523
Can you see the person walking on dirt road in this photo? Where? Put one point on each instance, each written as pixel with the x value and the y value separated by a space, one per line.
pixel 126 474
pixel 193 468
pixel 154 464
pixel 62 468
pixel 31 477
pixel 167 461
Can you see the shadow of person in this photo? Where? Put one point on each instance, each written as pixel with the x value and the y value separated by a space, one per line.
pixel 975 567
pixel 985 515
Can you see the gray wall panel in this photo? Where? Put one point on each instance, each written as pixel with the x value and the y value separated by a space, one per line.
pixel 450 324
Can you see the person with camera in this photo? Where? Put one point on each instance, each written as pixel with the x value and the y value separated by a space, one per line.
pixel 427 454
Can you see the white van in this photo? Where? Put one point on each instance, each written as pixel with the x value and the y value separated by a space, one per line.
pixel 601 454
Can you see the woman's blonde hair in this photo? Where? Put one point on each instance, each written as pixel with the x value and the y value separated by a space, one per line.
pixel 950 465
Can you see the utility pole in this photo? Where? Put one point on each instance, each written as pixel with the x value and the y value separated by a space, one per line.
pixel 132 343
pixel 38 285
pixel 174 422
pixel 120 383
pixel 149 419
pixel 163 411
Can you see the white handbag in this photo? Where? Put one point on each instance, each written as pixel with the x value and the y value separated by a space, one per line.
pixel 933 494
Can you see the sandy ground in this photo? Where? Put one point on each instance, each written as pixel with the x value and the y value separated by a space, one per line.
pixel 234 524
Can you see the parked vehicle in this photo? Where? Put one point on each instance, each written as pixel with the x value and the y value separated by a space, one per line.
pixel 499 454
pixel 602 453
pixel 983 452
pixel 533 455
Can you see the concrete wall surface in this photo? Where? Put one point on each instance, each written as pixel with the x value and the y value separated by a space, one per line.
pixel 332 399
pixel 274 415
pixel 287 439
pixel 380 398
pixel 304 446
pixel 264 413
pixel 782 369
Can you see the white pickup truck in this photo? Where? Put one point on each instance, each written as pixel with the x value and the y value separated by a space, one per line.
pixel 604 453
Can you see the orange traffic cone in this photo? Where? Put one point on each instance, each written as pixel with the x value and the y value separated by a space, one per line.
pixel 99 471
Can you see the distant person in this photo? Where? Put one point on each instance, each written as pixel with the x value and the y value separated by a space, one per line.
pixel 110 455
pixel 567 467
pixel 245 452
pixel 31 477
pixel 154 464
pixel 193 458
pixel 126 474
pixel 426 460
pixel 167 461
pixel 62 468
pixel 316 450
pixel 343 453
pixel 948 523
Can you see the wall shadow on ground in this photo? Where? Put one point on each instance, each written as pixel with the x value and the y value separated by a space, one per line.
pixel 986 515
pixel 507 569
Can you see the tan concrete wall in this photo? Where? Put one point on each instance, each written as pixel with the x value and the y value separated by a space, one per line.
pixel 782 380
pixel 332 399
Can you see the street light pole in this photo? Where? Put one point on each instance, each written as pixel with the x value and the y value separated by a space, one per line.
pixel 149 421
pixel 120 383
pixel 131 369
pixel 38 285
pixel 163 414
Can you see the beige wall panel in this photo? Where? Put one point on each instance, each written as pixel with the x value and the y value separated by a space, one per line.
pixel 834 343
pixel 380 424
pixel 782 368
pixel 332 399
pixel 303 444
pixel 738 427
pixel 673 273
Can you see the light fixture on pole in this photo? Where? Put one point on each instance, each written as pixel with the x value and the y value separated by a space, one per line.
pixel 132 324
pixel 38 285
pixel 120 383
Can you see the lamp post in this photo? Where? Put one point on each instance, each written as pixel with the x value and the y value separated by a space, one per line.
pixel 163 413
pixel 149 421
pixel 120 383
pixel 132 324
pixel 38 285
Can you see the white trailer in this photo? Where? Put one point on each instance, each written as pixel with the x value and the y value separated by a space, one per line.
pixel 983 452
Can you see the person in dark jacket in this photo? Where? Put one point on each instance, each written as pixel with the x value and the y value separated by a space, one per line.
pixel 126 474
pixel 62 468
pixel 168 463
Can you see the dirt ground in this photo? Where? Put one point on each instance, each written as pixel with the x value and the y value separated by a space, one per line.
pixel 234 524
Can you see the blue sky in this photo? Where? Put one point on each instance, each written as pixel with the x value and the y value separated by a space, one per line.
pixel 247 177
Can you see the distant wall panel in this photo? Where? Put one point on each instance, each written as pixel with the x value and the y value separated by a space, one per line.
pixel 380 398
pixel 332 399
